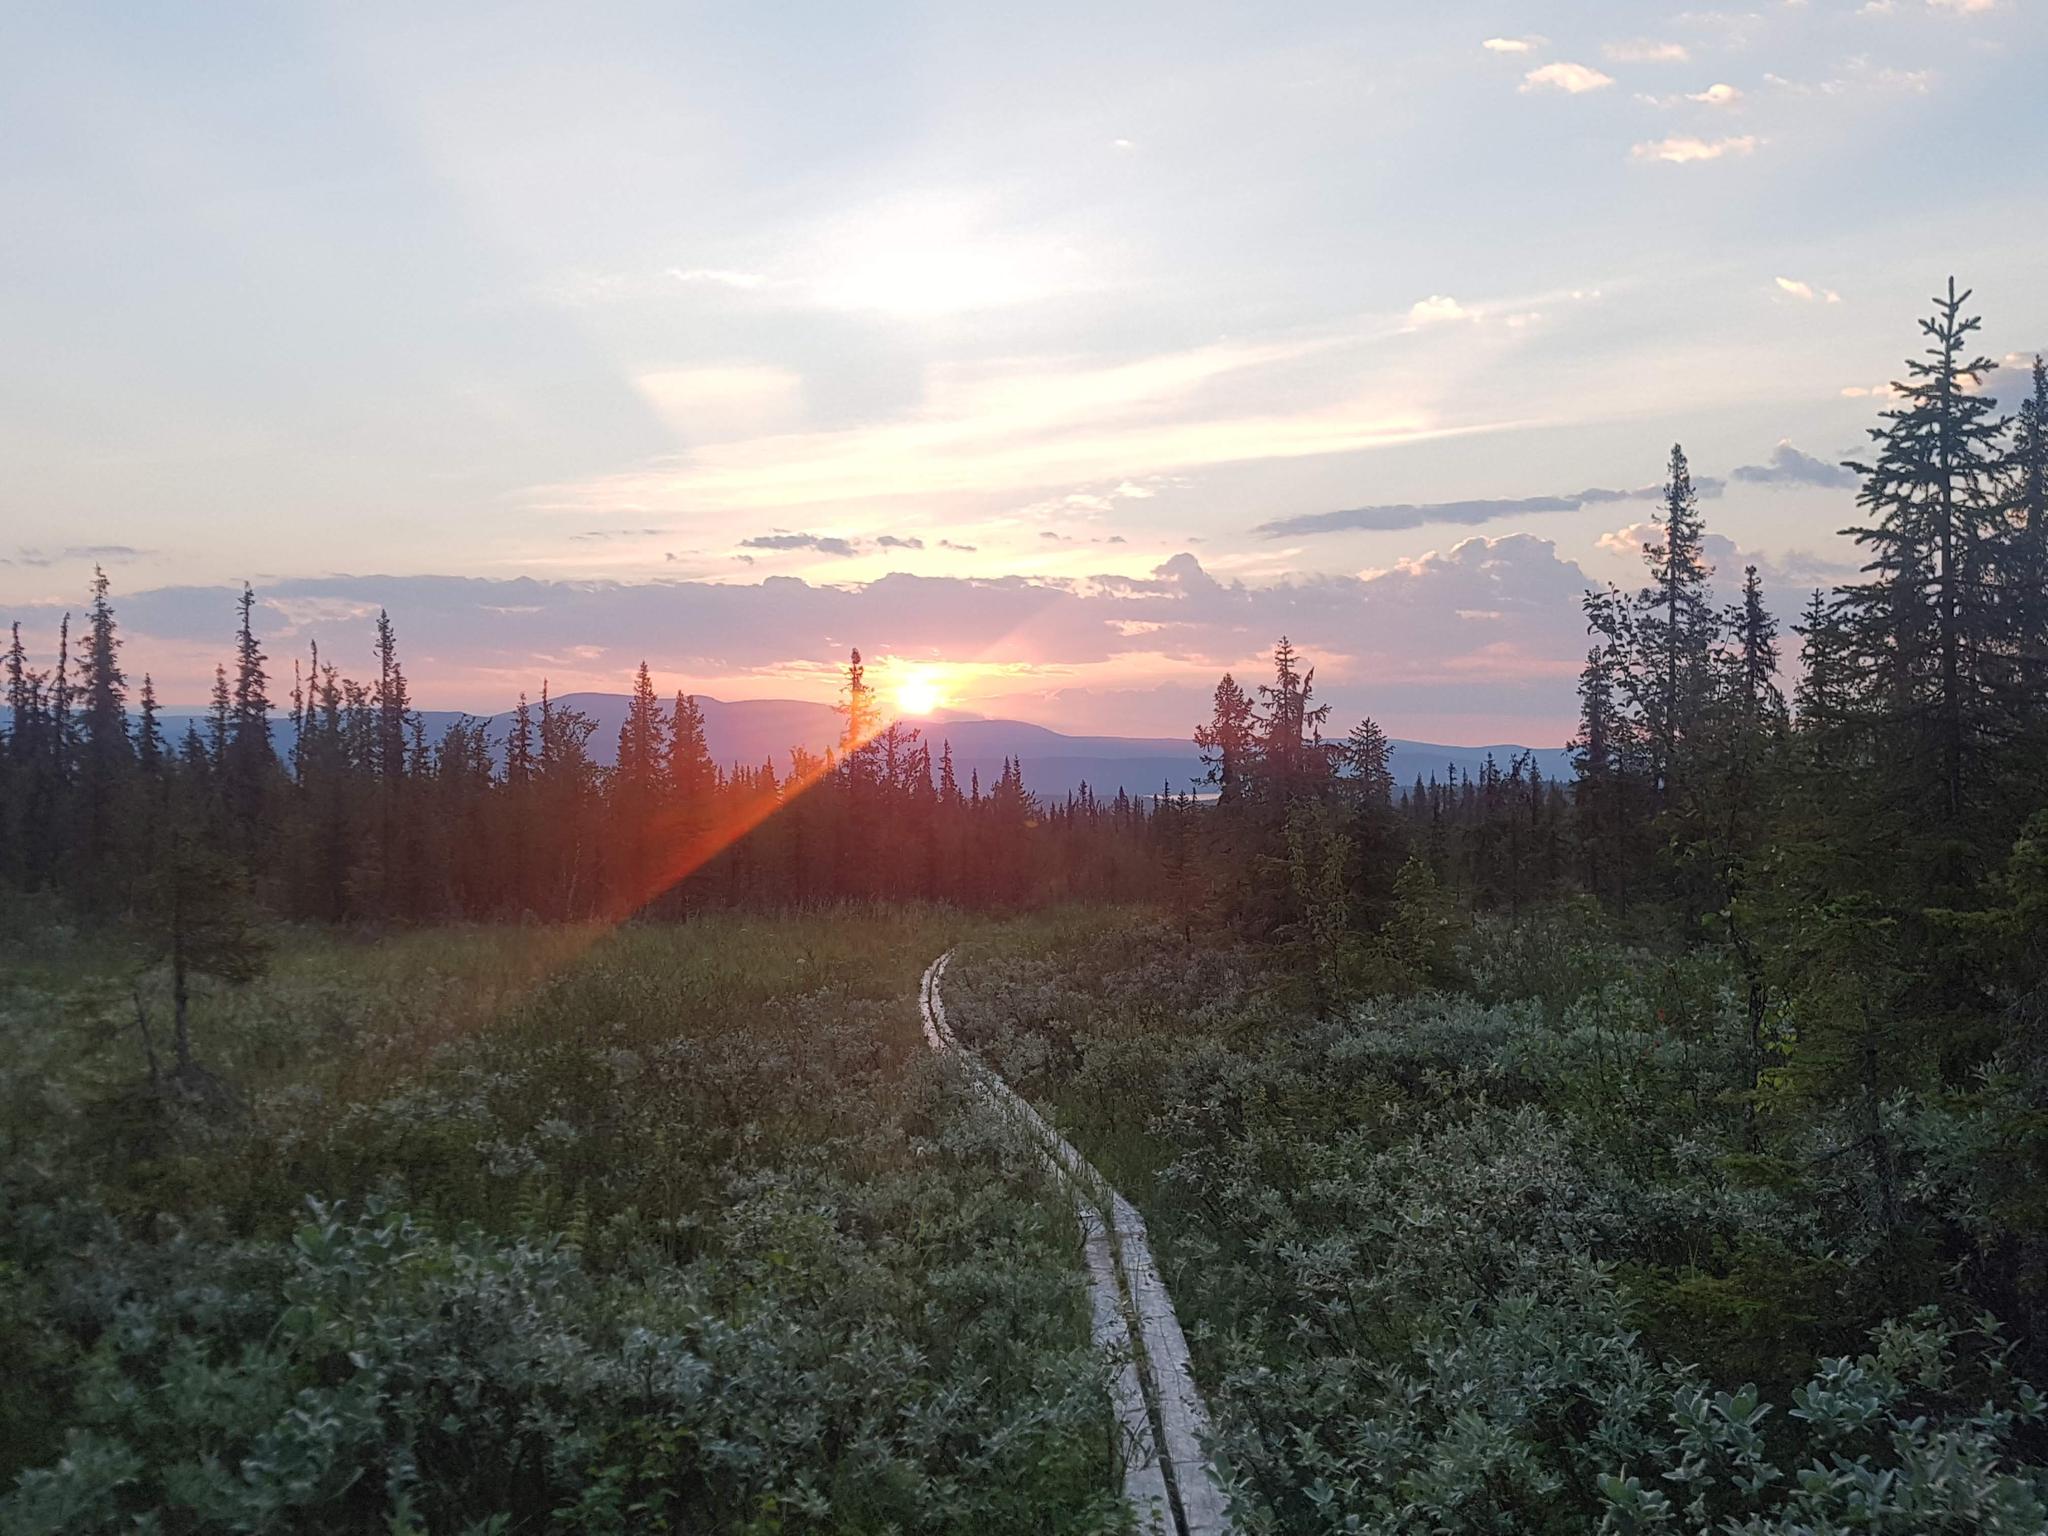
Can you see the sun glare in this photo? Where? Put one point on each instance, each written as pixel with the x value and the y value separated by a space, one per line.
pixel 917 695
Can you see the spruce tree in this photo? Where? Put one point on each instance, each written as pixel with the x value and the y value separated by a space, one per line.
pixel 220 714
pixel 106 755
pixel 249 762
pixel 2028 510
pixel 392 702
pixel 1367 761
pixel 1674 627
pixel 1292 760
pixel 149 738
pixel 640 736
pixel 1226 742
pixel 1927 626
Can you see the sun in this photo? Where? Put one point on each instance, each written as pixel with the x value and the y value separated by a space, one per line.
pixel 917 695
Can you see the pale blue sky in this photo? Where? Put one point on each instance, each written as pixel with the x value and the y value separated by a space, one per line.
pixel 605 292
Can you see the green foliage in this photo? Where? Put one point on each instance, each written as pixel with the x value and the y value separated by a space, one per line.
pixel 1524 1257
pixel 664 1229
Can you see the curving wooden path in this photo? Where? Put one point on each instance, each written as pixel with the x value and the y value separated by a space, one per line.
pixel 1167 1476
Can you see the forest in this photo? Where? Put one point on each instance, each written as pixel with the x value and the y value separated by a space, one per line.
pixel 465 1135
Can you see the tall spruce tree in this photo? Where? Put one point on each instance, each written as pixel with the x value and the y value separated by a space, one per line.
pixel 106 755
pixel 1927 627
pixel 249 762
pixel 1674 627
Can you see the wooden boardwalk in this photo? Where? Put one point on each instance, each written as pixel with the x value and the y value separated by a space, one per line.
pixel 1167 1475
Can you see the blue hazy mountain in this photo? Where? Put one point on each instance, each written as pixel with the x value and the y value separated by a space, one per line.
pixel 753 731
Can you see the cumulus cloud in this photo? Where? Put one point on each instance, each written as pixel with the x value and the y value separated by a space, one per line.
pixel 1963 7
pixel 1720 94
pixel 1389 630
pixel 1680 150
pixel 1786 575
pixel 1789 466
pixel 1391 516
pixel 1646 51
pixel 1807 292
pixel 1573 79
pixel 1513 44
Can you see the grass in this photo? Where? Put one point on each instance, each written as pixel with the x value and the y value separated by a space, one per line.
pixel 581 1229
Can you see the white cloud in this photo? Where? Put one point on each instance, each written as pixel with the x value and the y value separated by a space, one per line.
pixel 1023 424
pixel 1438 308
pixel 1963 7
pixel 1685 151
pixel 1807 293
pixel 1717 95
pixel 1867 392
pixel 1646 51
pixel 1513 44
pixel 1574 79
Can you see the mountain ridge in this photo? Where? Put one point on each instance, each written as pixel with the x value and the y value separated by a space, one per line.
pixel 751 731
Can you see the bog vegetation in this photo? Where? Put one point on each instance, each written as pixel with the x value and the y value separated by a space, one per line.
pixel 1664 1150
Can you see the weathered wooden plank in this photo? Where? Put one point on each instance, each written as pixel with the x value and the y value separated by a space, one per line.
pixel 1177 1426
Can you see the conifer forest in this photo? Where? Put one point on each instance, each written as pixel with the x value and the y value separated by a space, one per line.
pixel 472 1131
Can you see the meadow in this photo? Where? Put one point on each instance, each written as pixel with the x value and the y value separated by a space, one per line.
pixel 1520 1252
pixel 673 1227
pixel 682 1227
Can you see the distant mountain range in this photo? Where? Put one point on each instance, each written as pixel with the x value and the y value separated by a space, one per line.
pixel 753 731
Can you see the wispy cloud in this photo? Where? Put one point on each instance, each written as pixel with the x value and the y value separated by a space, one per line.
pixel 1514 44
pixel 823 544
pixel 1437 309
pixel 1644 50
pixel 106 554
pixel 840 547
pixel 993 429
pixel 1806 292
pixel 1573 79
pixel 1689 151
pixel 1398 515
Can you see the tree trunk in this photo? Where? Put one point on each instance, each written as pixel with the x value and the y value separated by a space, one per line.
pixel 180 992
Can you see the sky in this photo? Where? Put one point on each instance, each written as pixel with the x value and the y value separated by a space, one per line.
pixel 1058 356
